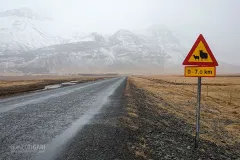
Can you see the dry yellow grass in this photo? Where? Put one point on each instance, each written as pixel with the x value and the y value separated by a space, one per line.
pixel 193 80
pixel 220 119
pixel 226 89
pixel 17 83
pixel 10 82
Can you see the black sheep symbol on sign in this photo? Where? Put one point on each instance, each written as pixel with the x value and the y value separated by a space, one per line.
pixel 203 55
pixel 196 57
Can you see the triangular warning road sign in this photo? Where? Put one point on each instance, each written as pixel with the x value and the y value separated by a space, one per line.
pixel 200 54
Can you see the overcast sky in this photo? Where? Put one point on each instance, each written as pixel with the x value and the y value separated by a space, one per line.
pixel 218 20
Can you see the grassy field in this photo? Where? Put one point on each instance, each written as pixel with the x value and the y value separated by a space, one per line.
pixel 20 84
pixel 220 105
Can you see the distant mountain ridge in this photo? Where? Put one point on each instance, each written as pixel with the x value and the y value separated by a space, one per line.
pixel 31 43
pixel 121 52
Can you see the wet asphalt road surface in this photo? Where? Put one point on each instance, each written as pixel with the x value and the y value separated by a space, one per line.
pixel 75 122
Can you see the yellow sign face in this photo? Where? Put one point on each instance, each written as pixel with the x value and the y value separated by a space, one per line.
pixel 199 71
pixel 200 54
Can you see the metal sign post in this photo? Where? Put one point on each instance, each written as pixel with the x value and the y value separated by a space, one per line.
pixel 198 111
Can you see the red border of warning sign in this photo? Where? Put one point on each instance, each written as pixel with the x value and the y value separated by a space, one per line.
pixel 199 39
pixel 215 71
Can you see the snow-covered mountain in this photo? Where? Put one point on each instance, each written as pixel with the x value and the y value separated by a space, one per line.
pixel 161 37
pixel 30 43
pixel 23 29
pixel 124 51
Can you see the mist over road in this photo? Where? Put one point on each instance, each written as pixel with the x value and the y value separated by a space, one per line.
pixel 59 123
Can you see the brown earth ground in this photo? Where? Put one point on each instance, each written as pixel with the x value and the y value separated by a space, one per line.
pixel 12 85
pixel 160 114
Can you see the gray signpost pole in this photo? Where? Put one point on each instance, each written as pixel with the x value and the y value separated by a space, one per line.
pixel 198 112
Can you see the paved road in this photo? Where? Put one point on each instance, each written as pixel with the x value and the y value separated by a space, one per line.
pixel 75 122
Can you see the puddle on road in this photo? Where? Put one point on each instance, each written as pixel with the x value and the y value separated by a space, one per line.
pixel 52 86
pixel 60 85
pixel 68 83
